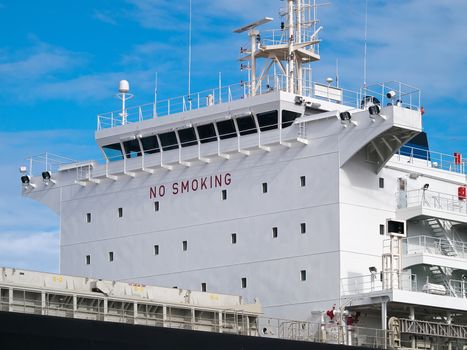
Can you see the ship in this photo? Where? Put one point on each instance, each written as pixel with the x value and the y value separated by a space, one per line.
pixel 275 212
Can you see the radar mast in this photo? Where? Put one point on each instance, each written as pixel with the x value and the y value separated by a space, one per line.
pixel 291 49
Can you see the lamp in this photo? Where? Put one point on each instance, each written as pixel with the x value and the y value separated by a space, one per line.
pixel 373 269
pixel 425 187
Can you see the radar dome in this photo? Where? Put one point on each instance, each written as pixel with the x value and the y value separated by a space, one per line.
pixel 124 86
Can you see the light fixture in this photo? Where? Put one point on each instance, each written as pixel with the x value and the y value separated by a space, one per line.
pixel 391 94
pixel 47 177
pixel 299 100
pixel 329 80
pixel 345 116
pixel 425 187
pixel 373 269
pixel 25 179
pixel 374 110
pixel 23 169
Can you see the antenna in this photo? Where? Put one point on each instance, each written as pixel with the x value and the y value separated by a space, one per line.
pixel 189 56
pixel 337 72
pixel 365 50
pixel 154 112
pixel 124 95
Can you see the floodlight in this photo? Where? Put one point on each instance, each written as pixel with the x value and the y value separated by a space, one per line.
pixel 345 116
pixel 391 94
pixel 299 100
pixel 425 187
pixel 374 110
pixel 25 179
pixel 46 175
pixel 373 269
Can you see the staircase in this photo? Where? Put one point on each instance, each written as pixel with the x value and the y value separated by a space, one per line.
pixel 440 229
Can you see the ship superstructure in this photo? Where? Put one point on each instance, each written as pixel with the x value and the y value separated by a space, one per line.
pixel 303 194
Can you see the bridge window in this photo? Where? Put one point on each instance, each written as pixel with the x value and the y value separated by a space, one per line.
pixel 113 152
pixel 168 141
pixel 288 118
pixel 226 129
pixel 132 149
pixel 207 133
pixel 267 121
pixel 246 125
pixel 150 145
pixel 187 137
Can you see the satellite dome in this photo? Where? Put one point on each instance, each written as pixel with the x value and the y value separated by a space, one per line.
pixel 124 86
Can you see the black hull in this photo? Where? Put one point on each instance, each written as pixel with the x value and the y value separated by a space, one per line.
pixel 35 332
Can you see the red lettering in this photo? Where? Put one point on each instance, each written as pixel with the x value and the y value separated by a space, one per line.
pixel 152 192
pixel 203 183
pixel 185 186
pixel 193 186
pixel 175 188
pixel 218 180
pixel 161 191
pixel 227 179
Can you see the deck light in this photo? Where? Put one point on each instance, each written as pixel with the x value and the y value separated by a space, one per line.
pixel 425 187
pixel 374 110
pixel 47 177
pixel 373 269
pixel 391 94
pixel 345 116
pixel 25 179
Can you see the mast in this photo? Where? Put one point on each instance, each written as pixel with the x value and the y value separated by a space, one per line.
pixel 292 50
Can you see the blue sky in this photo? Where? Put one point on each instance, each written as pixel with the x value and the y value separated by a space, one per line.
pixel 60 63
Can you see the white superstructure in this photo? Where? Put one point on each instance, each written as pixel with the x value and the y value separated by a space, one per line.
pixel 299 193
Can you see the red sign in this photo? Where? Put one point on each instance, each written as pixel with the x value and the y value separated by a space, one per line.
pixel 191 185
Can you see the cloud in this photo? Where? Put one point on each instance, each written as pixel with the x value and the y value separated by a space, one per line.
pixel 105 17
pixel 26 250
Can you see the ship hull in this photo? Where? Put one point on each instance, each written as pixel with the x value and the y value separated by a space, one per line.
pixel 25 331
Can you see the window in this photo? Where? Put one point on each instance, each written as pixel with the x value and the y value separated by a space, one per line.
pixel 88 217
pixel 207 133
pixel 168 141
pixel 234 238
pixel 187 137
pixel 203 286
pixel 381 230
pixel 132 149
pixel 111 256
pixel 150 144
pixel 302 181
pixel 274 232
pixel 120 212
pixel 303 228
pixel 288 118
pixel 265 187
pixel 243 282
pixel 246 125
pixel 185 245
pixel 381 182
pixel 226 129
pixel 113 152
pixel 267 121
pixel 156 249
pixel 224 195
pixel 303 275
pixel 88 259
pixel 156 206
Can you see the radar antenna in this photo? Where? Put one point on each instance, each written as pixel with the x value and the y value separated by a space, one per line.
pixel 124 95
pixel 291 48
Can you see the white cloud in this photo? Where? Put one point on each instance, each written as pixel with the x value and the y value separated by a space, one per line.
pixel 105 17
pixel 36 251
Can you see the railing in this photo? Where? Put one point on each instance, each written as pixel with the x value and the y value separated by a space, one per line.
pixel 431 159
pixel 434 246
pixel 46 162
pixel 243 90
pixel 434 200
pixel 231 322
pixel 373 283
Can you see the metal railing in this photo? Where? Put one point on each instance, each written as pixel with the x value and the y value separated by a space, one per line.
pixel 373 283
pixel 243 90
pixel 431 159
pixel 229 322
pixel 433 200
pixel 434 246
